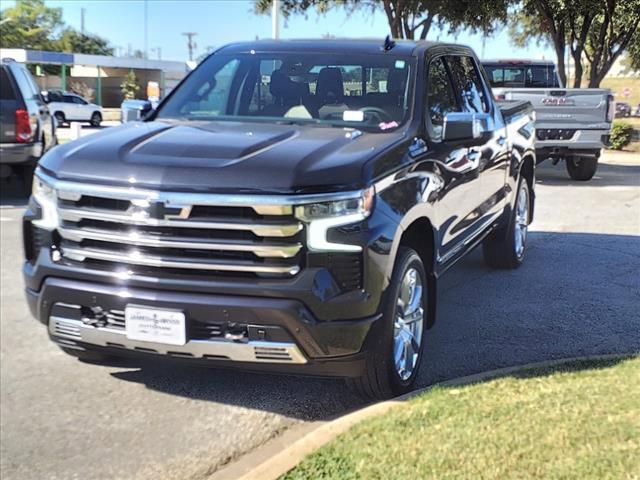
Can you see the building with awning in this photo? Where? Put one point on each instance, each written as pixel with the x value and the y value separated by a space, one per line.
pixel 101 74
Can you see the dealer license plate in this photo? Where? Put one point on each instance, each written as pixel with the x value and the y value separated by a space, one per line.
pixel 155 325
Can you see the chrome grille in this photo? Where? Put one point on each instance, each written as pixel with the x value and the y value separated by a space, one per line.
pixel 133 231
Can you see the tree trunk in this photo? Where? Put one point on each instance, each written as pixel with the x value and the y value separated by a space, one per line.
pixel 562 72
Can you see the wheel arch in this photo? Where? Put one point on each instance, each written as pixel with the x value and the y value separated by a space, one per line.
pixel 420 235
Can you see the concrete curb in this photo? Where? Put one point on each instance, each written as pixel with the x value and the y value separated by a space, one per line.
pixel 275 458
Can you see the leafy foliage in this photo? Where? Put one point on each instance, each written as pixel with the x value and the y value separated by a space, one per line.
pixel 129 86
pixel 595 32
pixel 620 135
pixel 31 24
pixel 410 18
pixel 74 41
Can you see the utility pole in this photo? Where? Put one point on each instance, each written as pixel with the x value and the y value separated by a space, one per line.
pixel 191 45
pixel 146 52
pixel 82 12
pixel 275 19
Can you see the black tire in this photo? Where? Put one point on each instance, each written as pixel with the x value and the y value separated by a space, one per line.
pixel 96 119
pixel 501 249
pixel 26 179
pixel 381 379
pixel 86 355
pixel 60 118
pixel 582 168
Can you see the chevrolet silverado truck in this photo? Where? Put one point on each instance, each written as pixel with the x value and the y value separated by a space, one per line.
pixel 289 207
pixel 572 124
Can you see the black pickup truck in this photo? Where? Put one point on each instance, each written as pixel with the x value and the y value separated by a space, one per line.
pixel 289 207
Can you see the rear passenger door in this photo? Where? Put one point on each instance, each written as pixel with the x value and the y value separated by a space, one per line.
pixel 493 157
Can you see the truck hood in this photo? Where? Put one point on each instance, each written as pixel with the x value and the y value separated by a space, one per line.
pixel 221 157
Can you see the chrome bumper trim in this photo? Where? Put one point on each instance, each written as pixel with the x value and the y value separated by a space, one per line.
pixel 260 229
pixel 143 240
pixel 81 254
pixel 251 351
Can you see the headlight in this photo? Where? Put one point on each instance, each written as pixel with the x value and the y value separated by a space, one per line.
pixel 320 217
pixel 46 197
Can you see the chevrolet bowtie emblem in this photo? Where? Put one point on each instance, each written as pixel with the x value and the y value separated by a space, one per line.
pixel 159 210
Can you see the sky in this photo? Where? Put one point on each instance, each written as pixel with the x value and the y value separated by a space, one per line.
pixel 219 22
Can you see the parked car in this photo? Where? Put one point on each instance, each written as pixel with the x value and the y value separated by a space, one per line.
pixel 623 109
pixel 572 124
pixel 70 107
pixel 26 127
pixel 260 218
pixel 636 112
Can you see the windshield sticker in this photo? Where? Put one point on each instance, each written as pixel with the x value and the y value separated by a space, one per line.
pixel 353 116
pixel 400 64
pixel 387 125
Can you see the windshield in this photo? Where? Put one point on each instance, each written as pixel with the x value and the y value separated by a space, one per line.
pixel 522 76
pixel 362 91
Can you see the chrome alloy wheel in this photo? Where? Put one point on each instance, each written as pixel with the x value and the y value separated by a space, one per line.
pixel 408 325
pixel 522 220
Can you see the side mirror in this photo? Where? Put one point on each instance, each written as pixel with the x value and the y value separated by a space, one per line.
pixel 464 126
pixel 45 97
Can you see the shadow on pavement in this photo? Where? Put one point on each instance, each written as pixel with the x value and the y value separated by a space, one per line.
pixel 575 295
pixel 12 192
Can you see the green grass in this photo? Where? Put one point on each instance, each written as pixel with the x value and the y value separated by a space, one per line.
pixel 580 420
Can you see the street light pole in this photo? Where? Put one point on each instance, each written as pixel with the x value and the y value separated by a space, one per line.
pixel 275 19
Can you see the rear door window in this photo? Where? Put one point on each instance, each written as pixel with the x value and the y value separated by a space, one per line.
pixel 469 85
pixel 6 88
pixel 441 99
pixel 522 76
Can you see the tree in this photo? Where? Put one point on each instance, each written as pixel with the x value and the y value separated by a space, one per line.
pixel 129 86
pixel 73 41
pixel 30 24
pixel 595 32
pixel 410 18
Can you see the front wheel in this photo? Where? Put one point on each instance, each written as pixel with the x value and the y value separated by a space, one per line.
pixel 504 248
pixel 96 119
pixel 395 354
pixel 582 168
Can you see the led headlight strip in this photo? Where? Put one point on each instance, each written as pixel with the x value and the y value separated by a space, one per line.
pixel 323 216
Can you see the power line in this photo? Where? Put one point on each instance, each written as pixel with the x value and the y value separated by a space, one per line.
pixel 191 45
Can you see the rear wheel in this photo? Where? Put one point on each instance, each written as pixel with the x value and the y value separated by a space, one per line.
pixel 395 354
pixel 96 119
pixel 86 355
pixel 504 248
pixel 582 168
pixel 60 118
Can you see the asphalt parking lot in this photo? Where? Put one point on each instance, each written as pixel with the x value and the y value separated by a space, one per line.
pixel 578 293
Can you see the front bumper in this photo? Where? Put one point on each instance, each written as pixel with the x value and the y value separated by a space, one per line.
pixel 282 335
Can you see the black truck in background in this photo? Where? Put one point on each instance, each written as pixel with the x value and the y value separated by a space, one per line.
pixel 27 129
pixel 289 207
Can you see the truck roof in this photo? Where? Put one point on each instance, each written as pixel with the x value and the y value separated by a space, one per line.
pixel 334 45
